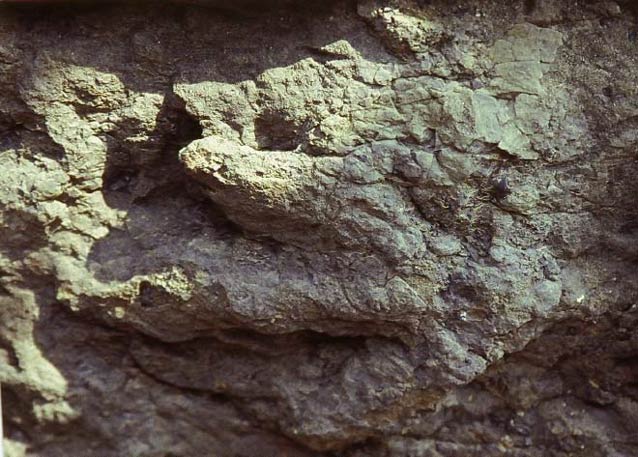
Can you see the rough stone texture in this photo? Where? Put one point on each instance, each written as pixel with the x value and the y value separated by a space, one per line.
pixel 320 229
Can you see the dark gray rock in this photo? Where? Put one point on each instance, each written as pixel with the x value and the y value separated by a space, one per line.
pixel 383 229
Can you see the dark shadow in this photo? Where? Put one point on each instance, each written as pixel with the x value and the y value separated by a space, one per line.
pixel 275 132
pixel 131 168
pixel 152 186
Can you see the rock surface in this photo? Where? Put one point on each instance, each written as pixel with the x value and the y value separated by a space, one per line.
pixel 346 228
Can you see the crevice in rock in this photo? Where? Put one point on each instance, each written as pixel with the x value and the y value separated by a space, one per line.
pixel 181 127
pixel 274 131
pixel 8 354
pixel 131 179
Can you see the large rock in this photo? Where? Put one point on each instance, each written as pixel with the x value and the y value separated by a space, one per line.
pixel 382 229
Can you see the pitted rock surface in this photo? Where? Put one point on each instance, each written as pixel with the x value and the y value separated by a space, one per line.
pixel 346 228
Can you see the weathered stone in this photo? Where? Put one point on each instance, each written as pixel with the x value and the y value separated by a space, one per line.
pixel 316 228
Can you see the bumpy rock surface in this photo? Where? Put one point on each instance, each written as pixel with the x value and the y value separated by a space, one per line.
pixel 319 229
